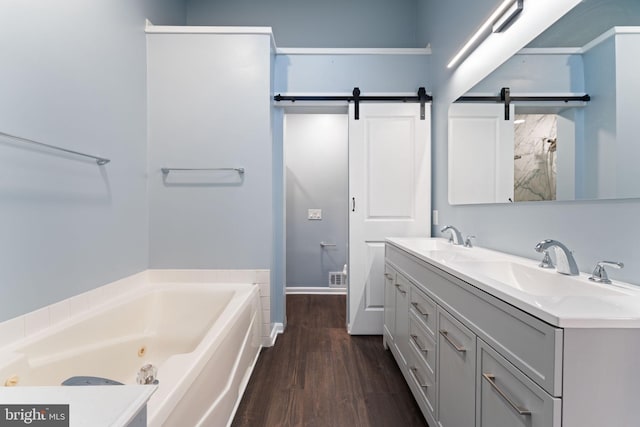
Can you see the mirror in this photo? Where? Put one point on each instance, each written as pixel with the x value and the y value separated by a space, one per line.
pixel 555 150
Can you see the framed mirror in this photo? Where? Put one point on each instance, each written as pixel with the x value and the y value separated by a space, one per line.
pixel 570 129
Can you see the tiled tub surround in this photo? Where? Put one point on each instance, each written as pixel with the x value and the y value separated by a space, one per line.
pixel 31 323
pixel 201 328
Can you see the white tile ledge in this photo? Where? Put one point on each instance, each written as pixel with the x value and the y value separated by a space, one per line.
pixel 54 315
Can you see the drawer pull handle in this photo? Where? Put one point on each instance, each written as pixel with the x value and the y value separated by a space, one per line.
pixel 491 379
pixel 419 309
pixel 388 276
pixel 414 373
pixel 419 344
pixel 458 348
pixel 402 291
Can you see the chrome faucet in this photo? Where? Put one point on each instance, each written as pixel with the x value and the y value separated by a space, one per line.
pixel 566 264
pixel 456 236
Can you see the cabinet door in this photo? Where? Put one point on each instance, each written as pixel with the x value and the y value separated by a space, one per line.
pixel 508 398
pixel 402 314
pixel 389 303
pixel 456 374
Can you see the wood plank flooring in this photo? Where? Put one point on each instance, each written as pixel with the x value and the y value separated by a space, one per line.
pixel 317 375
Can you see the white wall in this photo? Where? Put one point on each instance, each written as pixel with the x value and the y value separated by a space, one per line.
pixel 628 129
pixel 73 74
pixel 316 153
pixel 600 121
pixel 209 106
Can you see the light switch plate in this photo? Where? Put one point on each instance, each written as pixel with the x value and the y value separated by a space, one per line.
pixel 314 214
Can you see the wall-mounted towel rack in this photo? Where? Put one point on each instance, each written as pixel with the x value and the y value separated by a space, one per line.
pixel 167 170
pixel 99 160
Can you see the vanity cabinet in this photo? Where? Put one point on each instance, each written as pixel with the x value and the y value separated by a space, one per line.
pixel 470 359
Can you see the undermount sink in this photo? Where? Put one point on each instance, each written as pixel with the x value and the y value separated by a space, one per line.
pixel 447 256
pixel 419 244
pixel 539 282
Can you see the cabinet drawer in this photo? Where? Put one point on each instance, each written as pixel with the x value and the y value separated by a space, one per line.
pixel 508 398
pixel 424 308
pixel 422 381
pixel 422 342
pixel 456 373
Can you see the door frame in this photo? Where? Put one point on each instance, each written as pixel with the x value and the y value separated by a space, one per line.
pixel 309 107
pixel 312 108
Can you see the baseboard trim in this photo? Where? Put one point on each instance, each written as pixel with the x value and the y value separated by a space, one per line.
pixel 276 329
pixel 316 291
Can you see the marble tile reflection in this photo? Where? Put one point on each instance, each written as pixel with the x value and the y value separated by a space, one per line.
pixel 535 157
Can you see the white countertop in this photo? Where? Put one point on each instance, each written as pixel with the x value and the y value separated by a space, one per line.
pixel 588 310
pixel 95 406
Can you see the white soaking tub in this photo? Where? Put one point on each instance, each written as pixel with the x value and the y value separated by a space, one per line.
pixel 203 338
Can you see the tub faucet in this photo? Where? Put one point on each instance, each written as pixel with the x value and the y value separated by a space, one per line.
pixel 456 236
pixel 566 264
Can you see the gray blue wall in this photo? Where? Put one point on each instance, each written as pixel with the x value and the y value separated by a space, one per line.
pixel 209 107
pixel 312 23
pixel 316 153
pixel 595 230
pixel 73 74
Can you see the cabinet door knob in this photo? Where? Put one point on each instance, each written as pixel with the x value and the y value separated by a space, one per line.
pixel 492 381
pixel 446 336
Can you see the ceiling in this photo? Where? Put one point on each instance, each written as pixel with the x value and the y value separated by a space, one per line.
pixel 587 21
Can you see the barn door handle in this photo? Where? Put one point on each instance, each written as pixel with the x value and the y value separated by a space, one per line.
pixel 353 204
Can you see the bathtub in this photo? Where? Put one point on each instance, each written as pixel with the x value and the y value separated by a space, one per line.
pixel 203 338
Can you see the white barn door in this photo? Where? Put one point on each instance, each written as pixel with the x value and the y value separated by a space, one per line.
pixel 390 196
pixel 481 151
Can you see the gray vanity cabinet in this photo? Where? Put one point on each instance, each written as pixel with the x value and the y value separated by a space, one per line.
pixel 457 372
pixel 470 359
pixel 473 360
pixel 508 398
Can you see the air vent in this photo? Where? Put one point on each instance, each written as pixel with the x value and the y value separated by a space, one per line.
pixel 337 279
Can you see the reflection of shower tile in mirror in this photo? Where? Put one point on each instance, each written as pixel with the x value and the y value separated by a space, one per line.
pixel 534 159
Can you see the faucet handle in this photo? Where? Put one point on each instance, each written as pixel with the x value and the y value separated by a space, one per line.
pixel 600 274
pixel 467 241
pixel 546 261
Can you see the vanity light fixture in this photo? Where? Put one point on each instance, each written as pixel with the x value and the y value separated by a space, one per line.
pixel 508 16
pixel 499 20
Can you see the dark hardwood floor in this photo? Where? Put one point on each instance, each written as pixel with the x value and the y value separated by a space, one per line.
pixel 318 375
